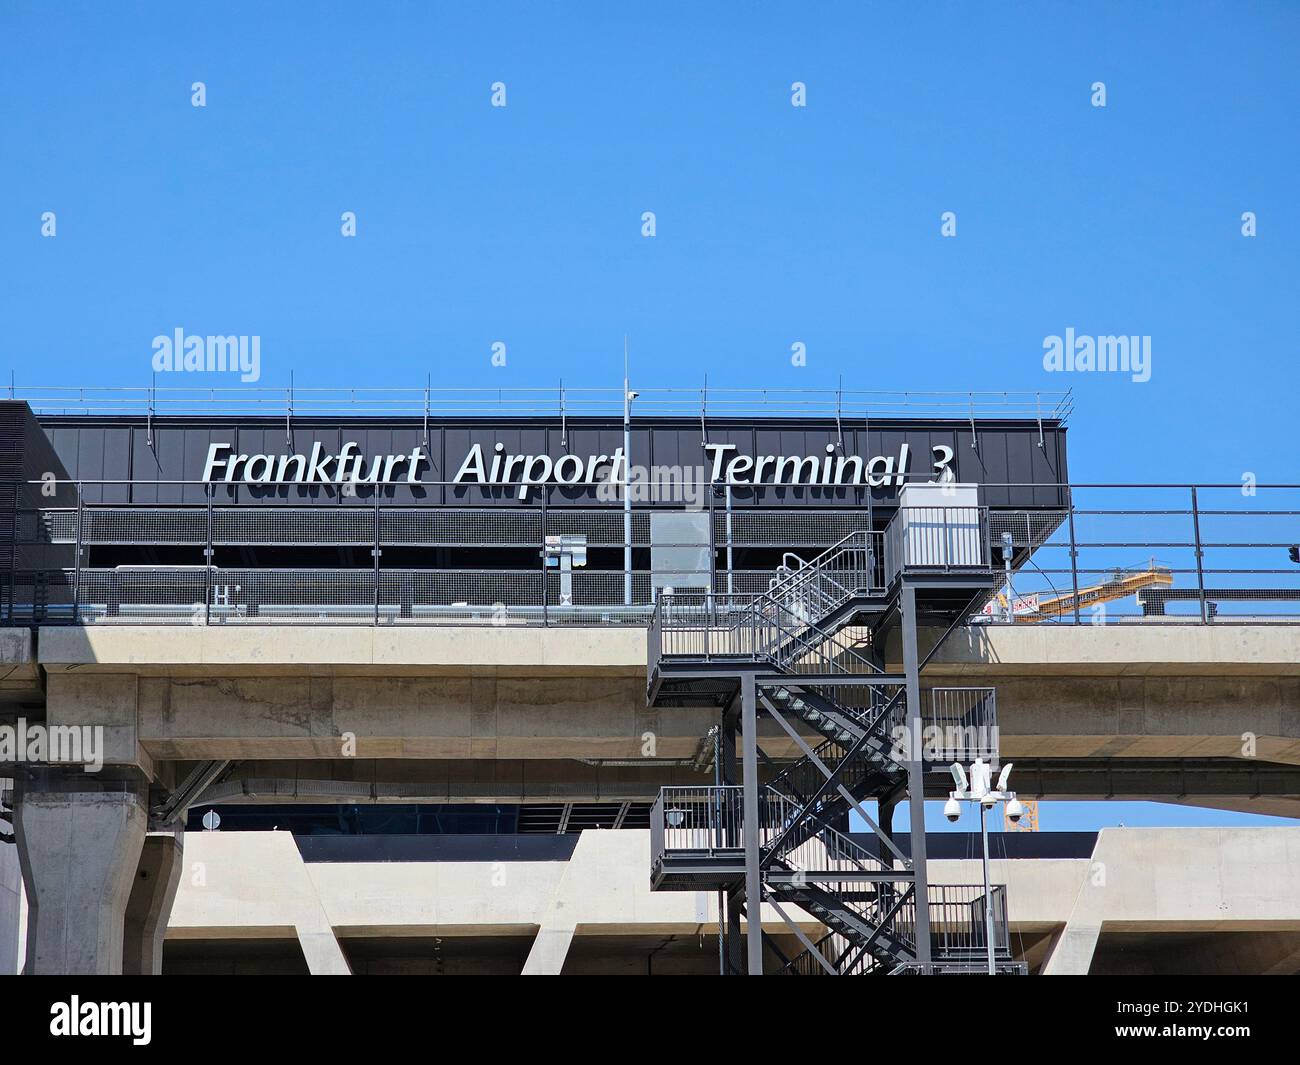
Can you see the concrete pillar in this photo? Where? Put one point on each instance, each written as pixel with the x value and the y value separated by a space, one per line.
pixel 916 776
pixel 320 946
pixel 549 950
pixel 11 891
pixel 150 903
pixel 79 842
pixel 11 907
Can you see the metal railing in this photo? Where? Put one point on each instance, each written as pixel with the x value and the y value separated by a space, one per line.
pixel 708 822
pixel 958 934
pixel 957 922
pixel 854 566
pixel 960 725
pixel 721 627
pixel 1122 554
pixel 943 539
pixel 295 401
pixel 696 821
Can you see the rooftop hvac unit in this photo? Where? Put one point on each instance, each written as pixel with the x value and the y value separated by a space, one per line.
pixel 938 526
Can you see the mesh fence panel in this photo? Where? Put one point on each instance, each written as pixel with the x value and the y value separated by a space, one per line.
pixel 1133 554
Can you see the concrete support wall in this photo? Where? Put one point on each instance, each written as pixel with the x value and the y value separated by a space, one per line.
pixel 79 844
pixel 150 904
pixel 1191 899
pixel 1192 881
pixel 11 910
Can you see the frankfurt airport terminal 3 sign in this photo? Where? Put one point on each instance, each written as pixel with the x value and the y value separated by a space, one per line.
pixel 770 463
pixel 500 468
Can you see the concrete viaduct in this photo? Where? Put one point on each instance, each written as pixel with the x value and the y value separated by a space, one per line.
pixel 1203 714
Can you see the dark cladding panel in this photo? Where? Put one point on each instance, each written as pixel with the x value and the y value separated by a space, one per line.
pixel 268 439
pixel 455 445
pixel 997 462
pixel 666 447
pixel 116 462
pixel 1048 468
pixel 743 439
pixel 69 446
pixel 146 466
pixel 1017 466
pixel 405 439
pixel 107 448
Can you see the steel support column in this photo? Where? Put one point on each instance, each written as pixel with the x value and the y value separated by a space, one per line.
pixel 749 769
pixel 734 961
pixel 916 773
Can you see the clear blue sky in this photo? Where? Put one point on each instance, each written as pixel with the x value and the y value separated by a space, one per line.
pixel 775 224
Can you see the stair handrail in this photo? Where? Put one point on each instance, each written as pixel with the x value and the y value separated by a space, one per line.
pixel 813 649
pixel 791 829
pixel 889 708
pixel 847 849
pixel 817 566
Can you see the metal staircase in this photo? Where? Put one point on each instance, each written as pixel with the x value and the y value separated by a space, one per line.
pixel 807 655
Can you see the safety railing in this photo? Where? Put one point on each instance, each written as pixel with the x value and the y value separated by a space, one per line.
pixel 292 401
pixel 1165 554
pixel 879 712
pixel 696 821
pixel 1122 554
pixel 709 822
pixel 854 566
pixel 720 628
pixel 958 927
pixel 958 932
pixel 959 725
pixel 937 539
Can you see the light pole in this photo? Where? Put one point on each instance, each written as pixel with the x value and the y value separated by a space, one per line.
pixel 977 789
pixel 628 396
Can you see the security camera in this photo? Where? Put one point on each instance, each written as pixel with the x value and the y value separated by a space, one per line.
pixel 1015 811
pixel 1005 776
pixel 952 810
pixel 959 776
pixel 1008 546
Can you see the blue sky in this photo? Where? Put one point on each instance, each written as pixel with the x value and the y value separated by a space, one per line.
pixel 775 224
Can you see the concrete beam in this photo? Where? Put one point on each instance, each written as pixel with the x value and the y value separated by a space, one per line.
pixel 447 780
pixel 1138 649
pixel 20 675
pixel 419 650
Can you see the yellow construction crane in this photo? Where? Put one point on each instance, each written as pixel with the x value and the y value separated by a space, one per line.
pixel 1121 584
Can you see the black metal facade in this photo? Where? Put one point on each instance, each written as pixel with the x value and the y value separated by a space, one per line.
pixel 142 453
